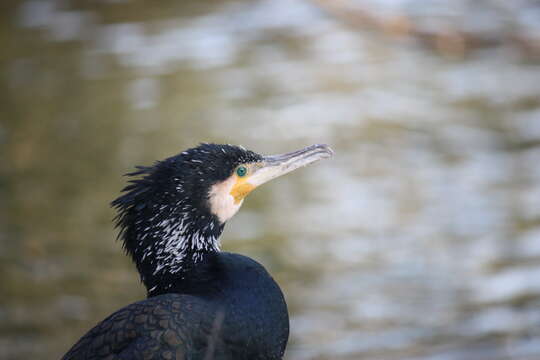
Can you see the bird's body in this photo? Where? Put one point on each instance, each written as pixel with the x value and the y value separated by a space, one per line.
pixel 203 304
pixel 239 314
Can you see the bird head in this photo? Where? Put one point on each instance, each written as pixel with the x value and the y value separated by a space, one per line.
pixel 172 213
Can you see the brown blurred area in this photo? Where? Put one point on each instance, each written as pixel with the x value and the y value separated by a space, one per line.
pixel 420 240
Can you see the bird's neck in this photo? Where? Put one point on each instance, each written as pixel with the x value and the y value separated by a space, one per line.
pixel 192 276
pixel 175 254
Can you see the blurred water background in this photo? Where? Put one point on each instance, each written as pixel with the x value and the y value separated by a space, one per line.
pixel 420 240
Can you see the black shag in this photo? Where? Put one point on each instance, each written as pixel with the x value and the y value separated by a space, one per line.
pixel 203 303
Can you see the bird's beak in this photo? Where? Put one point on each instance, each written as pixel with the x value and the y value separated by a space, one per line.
pixel 274 166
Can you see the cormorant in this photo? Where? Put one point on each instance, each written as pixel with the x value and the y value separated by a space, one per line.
pixel 203 303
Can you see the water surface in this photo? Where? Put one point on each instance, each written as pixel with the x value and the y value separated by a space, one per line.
pixel 419 240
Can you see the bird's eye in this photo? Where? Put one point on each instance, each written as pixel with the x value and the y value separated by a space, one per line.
pixel 241 171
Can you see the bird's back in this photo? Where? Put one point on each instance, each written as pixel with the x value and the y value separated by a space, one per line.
pixel 244 316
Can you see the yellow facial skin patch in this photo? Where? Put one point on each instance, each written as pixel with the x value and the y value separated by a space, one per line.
pixel 241 189
pixel 226 197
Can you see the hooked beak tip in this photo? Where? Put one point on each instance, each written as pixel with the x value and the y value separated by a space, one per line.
pixel 326 149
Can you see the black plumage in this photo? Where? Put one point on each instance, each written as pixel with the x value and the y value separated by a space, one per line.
pixel 224 322
pixel 203 304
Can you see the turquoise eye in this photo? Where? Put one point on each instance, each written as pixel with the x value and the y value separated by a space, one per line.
pixel 241 171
